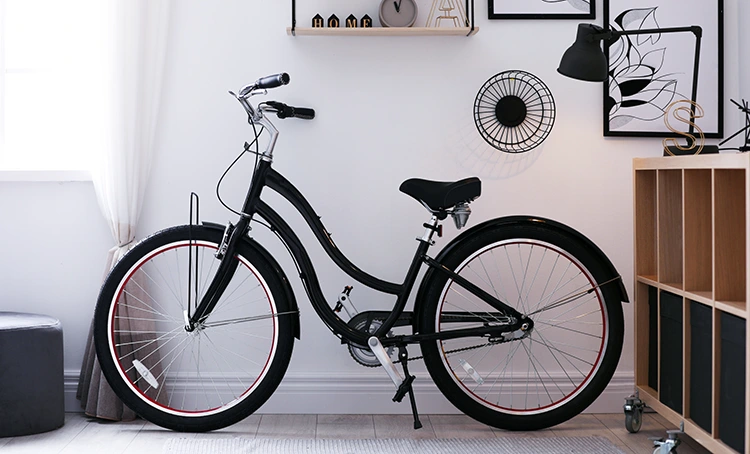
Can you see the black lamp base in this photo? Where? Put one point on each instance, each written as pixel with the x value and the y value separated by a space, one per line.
pixel 707 149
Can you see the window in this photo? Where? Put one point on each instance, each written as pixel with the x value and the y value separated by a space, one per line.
pixel 51 83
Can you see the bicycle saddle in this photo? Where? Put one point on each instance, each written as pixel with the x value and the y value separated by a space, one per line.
pixel 440 196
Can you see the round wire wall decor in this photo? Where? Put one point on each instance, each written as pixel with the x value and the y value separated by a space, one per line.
pixel 514 111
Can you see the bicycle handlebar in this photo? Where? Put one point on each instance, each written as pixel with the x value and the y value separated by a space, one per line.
pixel 274 81
pixel 286 111
pixel 304 113
pixel 265 83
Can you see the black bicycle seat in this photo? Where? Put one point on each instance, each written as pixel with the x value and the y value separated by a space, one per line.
pixel 439 195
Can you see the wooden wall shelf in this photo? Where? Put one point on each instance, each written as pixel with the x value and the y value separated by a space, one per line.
pixel 691 219
pixel 467 18
pixel 383 31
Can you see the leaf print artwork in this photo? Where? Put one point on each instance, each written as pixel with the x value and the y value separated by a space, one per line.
pixel 639 88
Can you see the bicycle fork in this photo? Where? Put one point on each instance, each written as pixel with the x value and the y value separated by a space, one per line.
pixel 224 274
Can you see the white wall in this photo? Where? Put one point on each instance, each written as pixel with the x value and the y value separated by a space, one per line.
pixel 387 109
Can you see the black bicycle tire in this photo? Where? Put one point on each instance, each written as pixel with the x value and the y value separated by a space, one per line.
pixel 457 396
pixel 225 417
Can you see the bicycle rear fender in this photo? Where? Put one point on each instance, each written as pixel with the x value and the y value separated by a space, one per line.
pixel 267 256
pixel 610 270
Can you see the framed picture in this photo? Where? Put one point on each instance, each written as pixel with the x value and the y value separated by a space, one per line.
pixel 648 72
pixel 542 9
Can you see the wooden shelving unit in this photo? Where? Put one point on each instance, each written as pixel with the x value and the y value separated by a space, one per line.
pixel 691 219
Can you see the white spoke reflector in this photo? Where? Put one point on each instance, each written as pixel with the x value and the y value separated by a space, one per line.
pixel 146 374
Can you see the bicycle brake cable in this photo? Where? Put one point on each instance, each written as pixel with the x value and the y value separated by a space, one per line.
pixel 246 149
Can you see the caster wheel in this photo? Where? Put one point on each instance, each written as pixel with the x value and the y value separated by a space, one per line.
pixel 633 420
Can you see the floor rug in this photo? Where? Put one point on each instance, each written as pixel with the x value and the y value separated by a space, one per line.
pixel 505 445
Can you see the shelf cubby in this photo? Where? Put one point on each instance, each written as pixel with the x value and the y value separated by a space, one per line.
pixel 671 358
pixel 732 377
pixel 731 230
pixel 698 233
pixel 699 382
pixel 691 219
pixel 670 227
pixel 646 338
pixel 645 226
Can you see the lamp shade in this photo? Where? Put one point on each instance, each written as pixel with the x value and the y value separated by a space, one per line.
pixel 585 60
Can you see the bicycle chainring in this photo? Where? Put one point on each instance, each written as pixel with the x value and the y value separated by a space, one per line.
pixel 363 356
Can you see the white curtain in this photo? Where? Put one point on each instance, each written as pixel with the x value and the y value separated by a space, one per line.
pixel 135 61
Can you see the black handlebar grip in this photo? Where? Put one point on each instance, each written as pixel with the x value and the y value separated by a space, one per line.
pixel 304 113
pixel 274 81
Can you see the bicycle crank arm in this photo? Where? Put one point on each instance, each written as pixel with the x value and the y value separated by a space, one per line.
pixel 385 361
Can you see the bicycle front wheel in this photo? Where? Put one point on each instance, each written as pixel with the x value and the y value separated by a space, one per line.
pixel 200 379
pixel 547 374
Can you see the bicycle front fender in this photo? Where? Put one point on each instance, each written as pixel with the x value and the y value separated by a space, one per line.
pixel 277 268
pixel 609 269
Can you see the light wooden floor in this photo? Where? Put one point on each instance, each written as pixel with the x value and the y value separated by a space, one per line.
pixel 84 435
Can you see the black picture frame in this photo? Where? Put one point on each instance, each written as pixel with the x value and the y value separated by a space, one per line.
pixel 541 9
pixel 649 72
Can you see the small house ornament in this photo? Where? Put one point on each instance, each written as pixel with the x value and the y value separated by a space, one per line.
pixel 351 21
pixel 365 22
pixel 333 21
pixel 317 21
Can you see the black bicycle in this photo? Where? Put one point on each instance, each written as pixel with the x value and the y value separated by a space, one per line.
pixel 519 319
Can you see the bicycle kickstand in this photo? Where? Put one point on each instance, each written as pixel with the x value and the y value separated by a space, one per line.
pixel 406 385
pixel 403 385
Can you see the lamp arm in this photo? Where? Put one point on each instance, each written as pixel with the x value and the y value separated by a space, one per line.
pixel 610 34
pixel 694 29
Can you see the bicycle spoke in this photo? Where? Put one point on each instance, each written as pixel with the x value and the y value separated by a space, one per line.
pixel 145 292
pixel 239 307
pixel 541 365
pixel 229 365
pixel 245 319
pixel 495 319
pixel 565 356
pixel 146 304
pixel 561 302
pixel 537 372
pixel 149 342
pixel 533 280
pixel 568 355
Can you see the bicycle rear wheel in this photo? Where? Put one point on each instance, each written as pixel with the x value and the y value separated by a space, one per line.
pixel 524 380
pixel 214 375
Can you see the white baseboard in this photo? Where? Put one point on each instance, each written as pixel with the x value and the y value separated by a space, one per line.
pixel 369 393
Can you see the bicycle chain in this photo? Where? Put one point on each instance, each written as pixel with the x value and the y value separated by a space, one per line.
pixel 449 352
pixel 457 350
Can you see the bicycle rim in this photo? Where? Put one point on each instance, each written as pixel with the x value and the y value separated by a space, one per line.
pixel 200 373
pixel 557 359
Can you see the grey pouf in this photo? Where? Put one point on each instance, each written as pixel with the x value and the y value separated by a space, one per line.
pixel 31 374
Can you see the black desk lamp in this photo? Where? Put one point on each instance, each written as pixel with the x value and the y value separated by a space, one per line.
pixel 585 60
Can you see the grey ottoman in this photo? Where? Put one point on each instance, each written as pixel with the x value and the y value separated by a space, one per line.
pixel 31 374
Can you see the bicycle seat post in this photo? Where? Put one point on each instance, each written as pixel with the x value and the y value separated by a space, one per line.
pixel 431 228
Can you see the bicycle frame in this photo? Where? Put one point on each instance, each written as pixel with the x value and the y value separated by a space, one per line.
pixel 266 176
